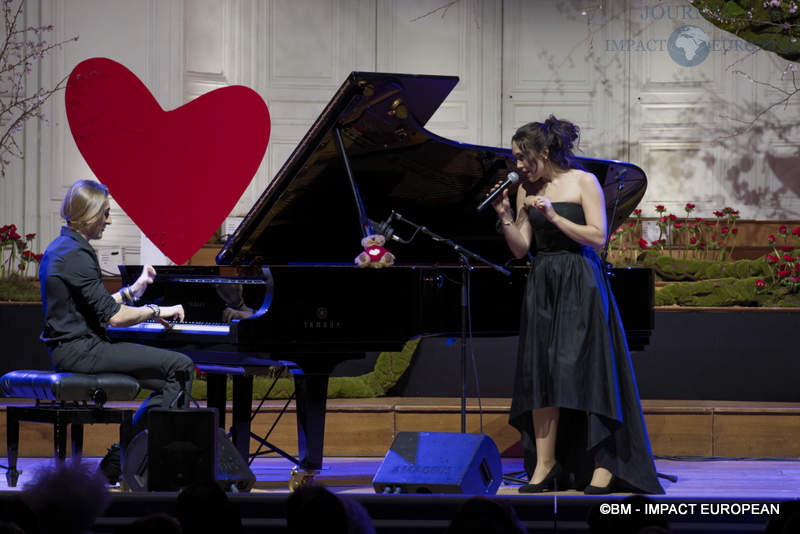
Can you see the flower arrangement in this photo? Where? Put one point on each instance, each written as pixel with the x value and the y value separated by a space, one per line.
pixel 18 264
pixel 784 263
pixel 772 24
pixel 16 255
pixel 678 237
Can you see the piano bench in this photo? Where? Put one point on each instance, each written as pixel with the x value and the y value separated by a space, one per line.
pixel 62 399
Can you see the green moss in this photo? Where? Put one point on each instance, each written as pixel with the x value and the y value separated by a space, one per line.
pixel 389 368
pixel 719 292
pixel 677 269
pixel 771 28
pixel 17 289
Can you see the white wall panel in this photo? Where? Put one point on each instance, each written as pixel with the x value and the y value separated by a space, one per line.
pixel 143 35
pixel 554 63
pixel 463 39
pixel 517 60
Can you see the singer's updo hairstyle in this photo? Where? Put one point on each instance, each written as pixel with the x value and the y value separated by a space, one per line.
pixel 558 136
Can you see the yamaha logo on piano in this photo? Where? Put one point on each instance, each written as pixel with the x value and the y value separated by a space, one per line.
pixel 322 320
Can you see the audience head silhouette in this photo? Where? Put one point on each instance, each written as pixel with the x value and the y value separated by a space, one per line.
pixel 480 515
pixel 159 523
pixel 67 498
pixel 204 508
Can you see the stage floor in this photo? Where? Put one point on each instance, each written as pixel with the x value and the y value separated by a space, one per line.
pixel 698 478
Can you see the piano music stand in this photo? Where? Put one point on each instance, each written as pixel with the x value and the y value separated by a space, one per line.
pixel 464 257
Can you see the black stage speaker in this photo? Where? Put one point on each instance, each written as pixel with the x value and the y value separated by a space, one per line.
pixel 182 447
pixel 440 462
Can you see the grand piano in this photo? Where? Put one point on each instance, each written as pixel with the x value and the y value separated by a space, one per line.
pixel 288 269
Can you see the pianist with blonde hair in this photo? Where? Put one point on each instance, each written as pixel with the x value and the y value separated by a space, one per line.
pixel 78 308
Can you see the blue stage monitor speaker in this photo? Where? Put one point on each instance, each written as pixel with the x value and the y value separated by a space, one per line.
pixel 440 462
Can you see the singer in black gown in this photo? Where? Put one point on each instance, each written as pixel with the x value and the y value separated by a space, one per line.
pixel 575 400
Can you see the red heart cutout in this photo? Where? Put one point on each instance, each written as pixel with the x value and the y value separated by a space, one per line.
pixel 177 174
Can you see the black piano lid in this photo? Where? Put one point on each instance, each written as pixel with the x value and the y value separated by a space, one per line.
pixel 308 214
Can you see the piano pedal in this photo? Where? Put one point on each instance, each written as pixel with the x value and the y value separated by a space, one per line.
pixel 301 478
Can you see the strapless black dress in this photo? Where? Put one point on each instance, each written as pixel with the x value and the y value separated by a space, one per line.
pixel 573 354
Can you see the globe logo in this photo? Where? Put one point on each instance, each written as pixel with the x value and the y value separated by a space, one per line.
pixel 688 46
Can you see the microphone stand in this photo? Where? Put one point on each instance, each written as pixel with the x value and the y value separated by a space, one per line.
pixel 464 256
pixel 621 180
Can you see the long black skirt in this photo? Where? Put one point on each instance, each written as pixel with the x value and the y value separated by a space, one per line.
pixel 573 355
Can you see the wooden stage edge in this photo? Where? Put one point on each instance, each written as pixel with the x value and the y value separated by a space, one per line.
pixel 367 427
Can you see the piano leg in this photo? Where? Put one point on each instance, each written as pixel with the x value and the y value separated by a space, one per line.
pixel 242 407
pixel 217 384
pixel 311 398
pixel 240 412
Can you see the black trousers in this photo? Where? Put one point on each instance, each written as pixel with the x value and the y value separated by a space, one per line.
pixel 154 368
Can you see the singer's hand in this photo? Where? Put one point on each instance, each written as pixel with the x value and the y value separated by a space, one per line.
pixel 542 205
pixel 502 204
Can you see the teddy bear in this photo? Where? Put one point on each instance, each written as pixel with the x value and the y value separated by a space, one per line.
pixel 374 254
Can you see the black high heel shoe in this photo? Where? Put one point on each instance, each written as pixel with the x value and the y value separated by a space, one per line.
pixel 604 490
pixel 550 482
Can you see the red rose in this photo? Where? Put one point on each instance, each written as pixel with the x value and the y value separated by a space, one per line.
pixel 612 238
pixel 643 244
pixel 698 219
pixel 692 240
pixel 783 230
pixel 796 231
pixel 689 206
pixel 710 223
pixel 672 217
pixel 38 257
pixel 786 248
pixel 770 239
pixel 660 208
pixel 662 219
pixel 656 242
pixel 795 278
pixel 12 227
pixel 771 259
pixel 760 283
pixel 787 257
pixel 718 213
pixel 30 236
pixel 637 211
pixel 784 274
pixel 735 231
pixel 724 229
pixel 630 224
pixel 27 254
pixel 678 225
pixel 733 212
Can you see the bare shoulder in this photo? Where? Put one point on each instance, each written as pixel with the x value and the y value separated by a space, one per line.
pixel 586 179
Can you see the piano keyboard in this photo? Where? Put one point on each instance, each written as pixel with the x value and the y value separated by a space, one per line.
pixel 186 327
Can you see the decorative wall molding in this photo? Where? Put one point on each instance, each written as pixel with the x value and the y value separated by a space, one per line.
pixel 517 60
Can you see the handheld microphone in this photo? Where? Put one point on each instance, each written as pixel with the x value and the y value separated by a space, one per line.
pixel 511 179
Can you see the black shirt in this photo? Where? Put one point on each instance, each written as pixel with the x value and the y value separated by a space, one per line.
pixel 76 303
